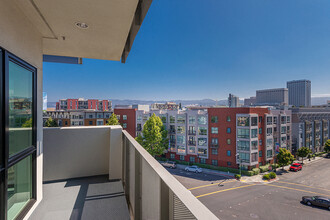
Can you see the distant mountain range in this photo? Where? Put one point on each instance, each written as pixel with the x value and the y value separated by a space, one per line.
pixel 201 102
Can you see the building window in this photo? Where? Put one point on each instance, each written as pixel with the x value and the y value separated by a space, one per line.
pixel 214 151
pixel 254 121
pixel 181 119
pixel 269 153
pixel 181 129
pixel 203 160
pixel 192 150
pixel 243 145
pixel 202 120
pixel 254 157
pixel 243 121
pixel 228 130
pixel 181 157
pixel 91 116
pixel 172 156
pixel 163 119
pixel 214 119
pixel 288 119
pixel 228 118
pixel 66 122
pixel 260 153
pixel 192 159
pixel 202 152
pixel 283 130
pixel 214 130
pixel 254 145
pixel 118 117
pixel 181 149
pixel 260 119
pixel 181 139
pixel 260 130
pixel 228 153
pixel 124 125
pixel 214 162
pixel 202 141
pixel 228 164
pixel 202 130
pixel 228 141
pixel 99 122
pixel 244 157
pixel 269 131
pixel 254 133
pixel 214 141
pixel 243 133
pixel 90 122
pixel 124 117
pixel 172 119
pixel 192 119
pixel 260 142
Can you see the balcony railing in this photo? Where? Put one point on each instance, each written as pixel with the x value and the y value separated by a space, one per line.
pixel 192 143
pixel 151 191
pixel 171 131
pixel 191 132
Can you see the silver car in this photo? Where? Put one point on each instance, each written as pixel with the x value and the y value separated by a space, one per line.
pixel 194 168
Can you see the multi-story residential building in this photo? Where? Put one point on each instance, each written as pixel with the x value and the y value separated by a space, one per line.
pixel 310 128
pixel 127 118
pixel 250 101
pixel 233 101
pixel 273 97
pixel 80 104
pixel 300 94
pixel 282 128
pixel 165 106
pixel 78 117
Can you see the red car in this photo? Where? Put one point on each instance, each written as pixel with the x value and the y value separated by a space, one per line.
pixel 295 167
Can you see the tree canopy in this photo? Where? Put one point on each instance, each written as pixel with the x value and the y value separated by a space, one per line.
pixel 154 136
pixel 327 146
pixel 51 123
pixel 284 157
pixel 113 120
pixel 27 123
pixel 303 152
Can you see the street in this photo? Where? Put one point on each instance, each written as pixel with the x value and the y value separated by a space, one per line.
pixel 280 199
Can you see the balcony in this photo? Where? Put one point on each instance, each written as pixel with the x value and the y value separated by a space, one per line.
pixel 192 143
pixel 171 131
pixel 214 145
pixel 97 172
pixel 191 132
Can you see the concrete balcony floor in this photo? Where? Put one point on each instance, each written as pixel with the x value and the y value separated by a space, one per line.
pixel 82 198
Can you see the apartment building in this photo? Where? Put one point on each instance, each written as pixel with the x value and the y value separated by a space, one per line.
pixel 300 94
pixel 250 101
pixel 310 128
pixel 282 128
pixel 127 118
pixel 81 104
pixel 273 97
pixel 78 117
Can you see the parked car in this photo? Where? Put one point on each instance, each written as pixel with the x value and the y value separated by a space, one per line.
pixel 169 164
pixel 317 201
pixel 295 167
pixel 328 155
pixel 193 168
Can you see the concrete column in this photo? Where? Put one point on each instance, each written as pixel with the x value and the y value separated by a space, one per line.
pixel 115 153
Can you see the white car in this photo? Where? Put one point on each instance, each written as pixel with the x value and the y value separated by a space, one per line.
pixel 194 168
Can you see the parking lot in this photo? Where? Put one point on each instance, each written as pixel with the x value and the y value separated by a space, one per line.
pixel 280 199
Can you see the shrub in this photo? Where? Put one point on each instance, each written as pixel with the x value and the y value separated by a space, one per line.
pixel 266 177
pixel 264 168
pixel 256 171
pixel 275 166
pixel 272 175
pixel 248 172
pixel 237 176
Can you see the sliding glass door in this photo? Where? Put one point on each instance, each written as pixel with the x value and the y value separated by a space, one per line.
pixel 18 136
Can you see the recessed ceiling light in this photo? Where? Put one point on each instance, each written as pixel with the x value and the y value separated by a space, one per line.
pixel 81 25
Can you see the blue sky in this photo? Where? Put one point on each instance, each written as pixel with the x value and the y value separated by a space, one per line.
pixel 194 49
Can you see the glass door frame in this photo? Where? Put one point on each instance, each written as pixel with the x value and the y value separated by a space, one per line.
pixel 6 161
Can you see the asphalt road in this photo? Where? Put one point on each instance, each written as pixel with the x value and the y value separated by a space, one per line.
pixel 276 200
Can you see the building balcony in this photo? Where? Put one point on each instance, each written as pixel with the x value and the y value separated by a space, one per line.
pixel 171 131
pixel 191 132
pixel 102 172
pixel 192 143
pixel 214 145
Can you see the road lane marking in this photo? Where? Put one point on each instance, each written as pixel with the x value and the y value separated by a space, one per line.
pixel 284 187
pixel 224 190
pixel 214 184
pixel 298 184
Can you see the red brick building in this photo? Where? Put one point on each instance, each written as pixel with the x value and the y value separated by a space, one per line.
pixel 127 118
pixel 83 104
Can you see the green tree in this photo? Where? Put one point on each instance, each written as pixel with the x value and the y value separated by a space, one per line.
pixel 113 120
pixel 303 152
pixel 284 157
pixel 327 146
pixel 27 123
pixel 154 136
pixel 51 123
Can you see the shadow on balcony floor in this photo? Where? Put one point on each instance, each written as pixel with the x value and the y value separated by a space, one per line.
pixel 82 198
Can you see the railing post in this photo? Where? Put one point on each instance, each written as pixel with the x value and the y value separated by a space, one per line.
pixel 164 203
pixel 137 186
pixel 115 153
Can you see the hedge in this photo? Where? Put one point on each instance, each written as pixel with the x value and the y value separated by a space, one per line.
pixel 264 168
pixel 272 175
